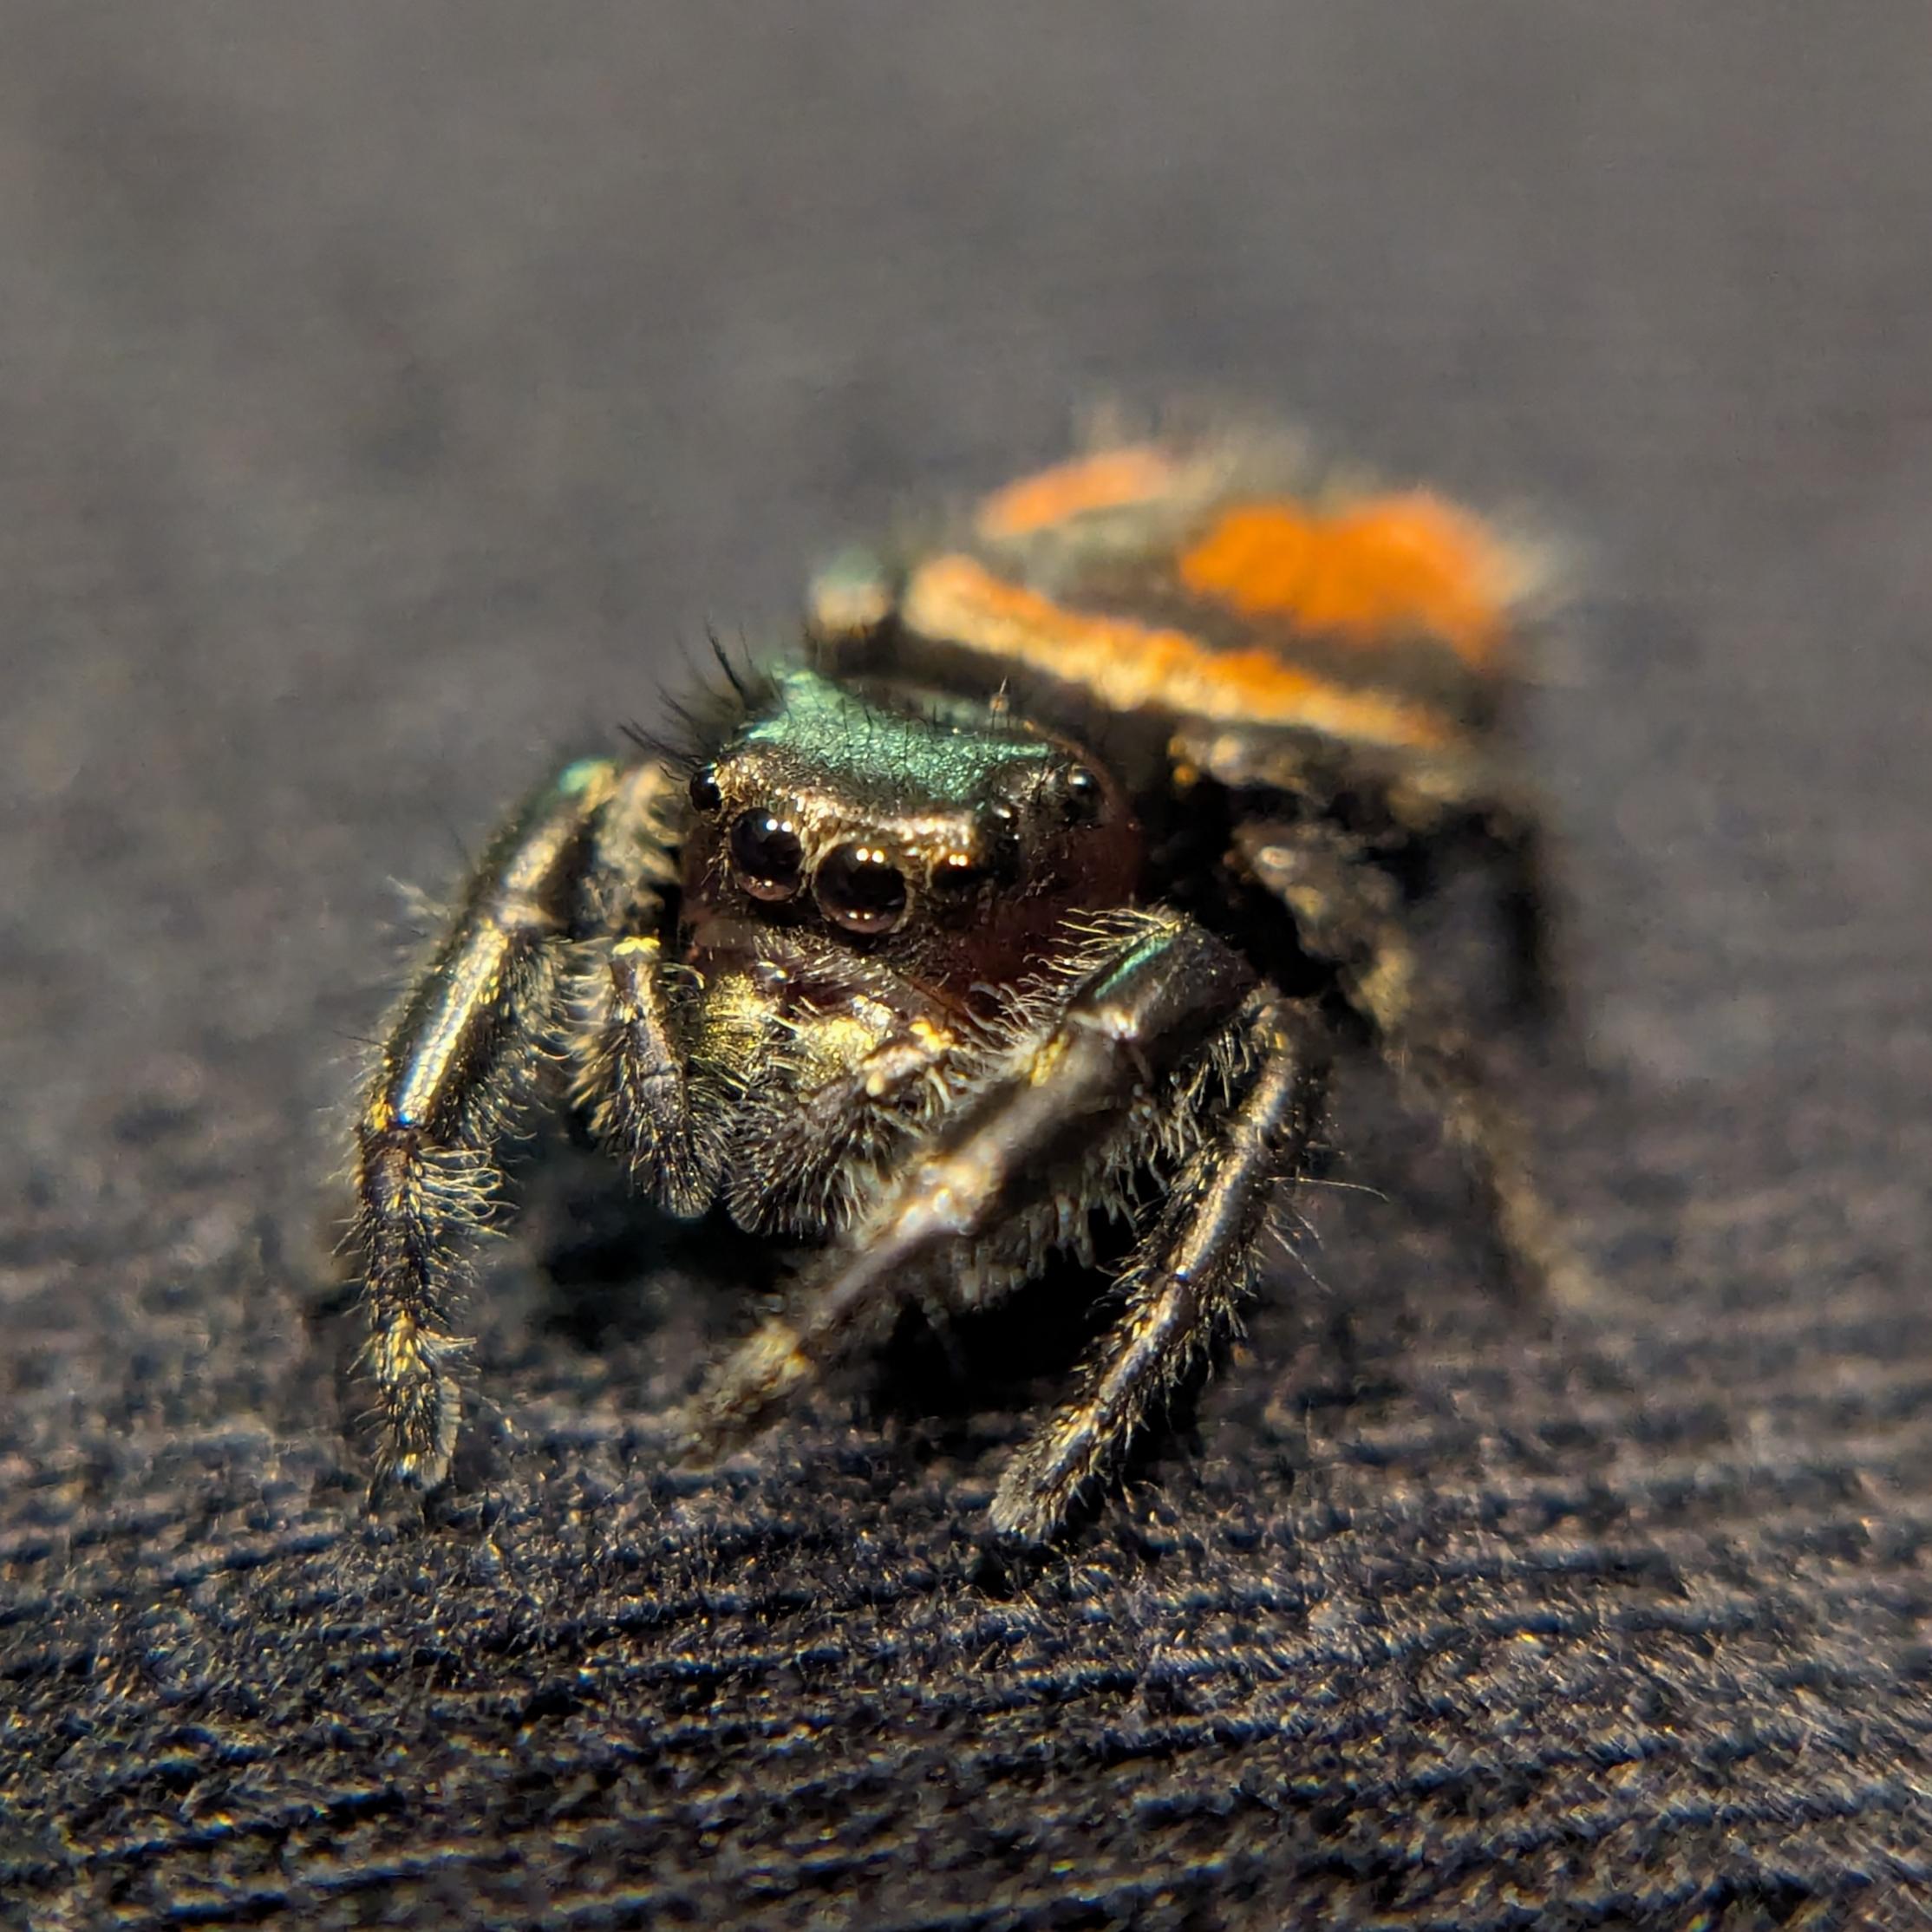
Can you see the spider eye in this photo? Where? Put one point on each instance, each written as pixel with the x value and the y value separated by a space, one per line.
pixel 860 889
pixel 958 874
pixel 766 852
pixel 705 795
pixel 1085 795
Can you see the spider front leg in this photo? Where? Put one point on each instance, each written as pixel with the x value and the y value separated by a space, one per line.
pixel 1347 909
pixel 1186 1278
pixel 457 1066
pixel 1018 1155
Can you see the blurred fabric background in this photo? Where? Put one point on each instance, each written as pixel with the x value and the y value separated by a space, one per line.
pixel 389 398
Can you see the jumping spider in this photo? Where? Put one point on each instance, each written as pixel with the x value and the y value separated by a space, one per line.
pixel 1036 888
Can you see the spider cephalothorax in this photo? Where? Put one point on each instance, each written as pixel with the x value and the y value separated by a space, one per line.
pixel 1033 889
pixel 944 845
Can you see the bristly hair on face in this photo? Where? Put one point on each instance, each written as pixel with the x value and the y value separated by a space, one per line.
pixel 703 714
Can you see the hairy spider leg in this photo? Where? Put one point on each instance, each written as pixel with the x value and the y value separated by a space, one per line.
pixel 1347 908
pixel 1078 1077
pixel 1185 1280
pixel 458 1066
pixel 1442 797
pixel 1508 833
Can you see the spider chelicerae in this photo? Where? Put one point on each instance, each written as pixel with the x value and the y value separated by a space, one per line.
pixel 1037 887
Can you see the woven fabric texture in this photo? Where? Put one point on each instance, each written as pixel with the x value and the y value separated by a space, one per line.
pixel 389 400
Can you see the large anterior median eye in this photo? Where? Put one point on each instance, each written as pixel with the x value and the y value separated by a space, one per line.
pixel 766 855
pixel 860 888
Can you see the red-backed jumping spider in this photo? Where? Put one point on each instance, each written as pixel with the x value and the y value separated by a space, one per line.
pixel 1035 888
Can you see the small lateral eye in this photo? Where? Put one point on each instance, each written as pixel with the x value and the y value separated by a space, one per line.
pixel 766 852
pixel 705 795
pixel 959 873
pixel 860 888
pixel 1085 795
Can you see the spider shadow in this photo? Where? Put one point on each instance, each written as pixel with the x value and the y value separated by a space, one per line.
pixel 615 1271
pixel 613 1275
pixel 953 1379
pixel 616 1275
